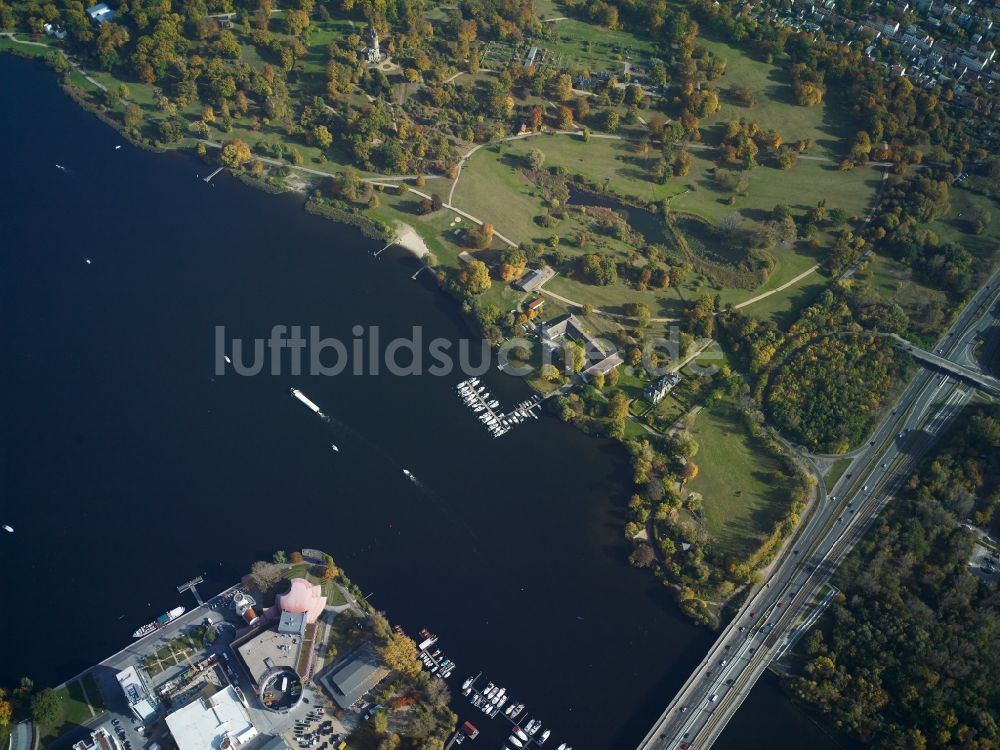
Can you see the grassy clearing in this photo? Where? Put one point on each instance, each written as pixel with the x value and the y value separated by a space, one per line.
pixel 824 125
pixel 493 189
pixel 607 161
pixel 923 305
pixel 835 472
pixel 801 188
pixel 495 170
pixel 951 228
pixel 73 712
pixel 27 50
pixel 741 499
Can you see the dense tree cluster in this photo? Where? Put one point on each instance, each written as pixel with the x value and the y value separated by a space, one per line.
pixel 907 656
pixel 829 394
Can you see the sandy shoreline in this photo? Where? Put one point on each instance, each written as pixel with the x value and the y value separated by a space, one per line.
pixel 407 237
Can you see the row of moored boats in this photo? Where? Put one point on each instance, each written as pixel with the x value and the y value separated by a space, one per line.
pixel 477 398
pixel 432 658
pixel 494 699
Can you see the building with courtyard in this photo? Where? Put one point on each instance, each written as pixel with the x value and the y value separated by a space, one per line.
pixel 212 722
pixel 598 360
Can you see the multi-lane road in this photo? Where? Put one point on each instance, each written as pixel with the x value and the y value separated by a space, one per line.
pixel 754 638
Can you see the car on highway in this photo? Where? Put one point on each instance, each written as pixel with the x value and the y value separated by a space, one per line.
pixel 684 709
pixel 714 698
pixel 723 662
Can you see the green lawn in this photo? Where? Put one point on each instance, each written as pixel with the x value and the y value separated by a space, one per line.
pixel 604 161
pixel 801 188
pixel 741 499
pixel 835 472
pixel 825 125
pixel 28 50
pixel 952 228
pixel 73 712
pixel 927 308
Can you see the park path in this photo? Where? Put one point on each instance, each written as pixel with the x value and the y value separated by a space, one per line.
pixel 86 697
pixel 74 63
pixel 781 288
pixel 605 313
pixel 321 173
pixel 518 137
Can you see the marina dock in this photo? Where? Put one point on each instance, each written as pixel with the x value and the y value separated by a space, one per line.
pixel 477 398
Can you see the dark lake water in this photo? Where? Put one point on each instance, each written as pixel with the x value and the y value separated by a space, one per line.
pixel 127 466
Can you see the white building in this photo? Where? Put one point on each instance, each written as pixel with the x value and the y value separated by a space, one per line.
pixel 212 723
pixel 140 698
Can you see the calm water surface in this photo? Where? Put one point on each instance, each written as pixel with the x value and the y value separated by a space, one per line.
pixel 127 466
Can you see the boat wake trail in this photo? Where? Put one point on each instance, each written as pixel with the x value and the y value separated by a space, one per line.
pixel 343 430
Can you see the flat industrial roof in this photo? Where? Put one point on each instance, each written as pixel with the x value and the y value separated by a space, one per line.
pixel 268 649
pixel 206 722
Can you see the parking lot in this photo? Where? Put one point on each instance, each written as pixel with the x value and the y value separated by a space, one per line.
pixel 985 563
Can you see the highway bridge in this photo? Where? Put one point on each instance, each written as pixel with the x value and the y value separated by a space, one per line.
pixel 989 384
pixel 781 607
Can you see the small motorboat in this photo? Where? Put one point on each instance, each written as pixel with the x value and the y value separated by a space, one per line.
pixel 8 529
pixel 515 741
pixel 545 736
pixel 334 448
pixel 224 356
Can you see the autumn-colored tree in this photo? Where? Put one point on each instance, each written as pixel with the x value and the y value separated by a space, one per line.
pixel 574 356
pixel 642 557
pixel 296 21
pixel 618 406
pixel 322 136
pixel 808 94
pixel 690 471
pixel 475 277
pixel 400 653
pixel 132 115
pixel 565 118
pixel 537 118
pixel 564 87
pixel 682 163
pixel 236 153
pixel 296 557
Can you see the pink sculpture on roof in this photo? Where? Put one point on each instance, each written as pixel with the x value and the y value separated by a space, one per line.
pixel 303 597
